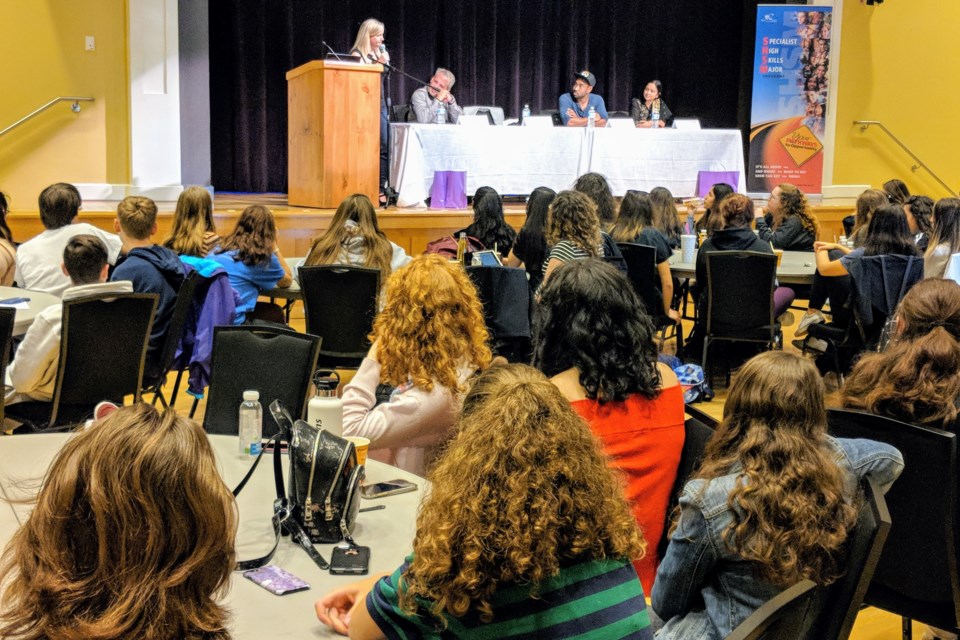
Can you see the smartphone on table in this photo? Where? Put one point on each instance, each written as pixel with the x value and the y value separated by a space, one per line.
pixel 276 580
pixel 388 488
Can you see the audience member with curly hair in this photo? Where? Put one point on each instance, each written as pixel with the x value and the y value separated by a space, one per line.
pixel 428 339
pixel 772 502
pixel 916 379
pixel 594 340
pixel 573 231
pixel 792 226
pixel 489 226
pixel 142 549
pixel 525 532
pixel 596 187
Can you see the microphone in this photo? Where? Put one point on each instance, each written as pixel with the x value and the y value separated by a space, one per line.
pixel 330 49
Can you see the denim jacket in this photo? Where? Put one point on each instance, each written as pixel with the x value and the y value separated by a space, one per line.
pixel 704 589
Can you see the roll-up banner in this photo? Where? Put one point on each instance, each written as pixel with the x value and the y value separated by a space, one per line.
pixel 790 88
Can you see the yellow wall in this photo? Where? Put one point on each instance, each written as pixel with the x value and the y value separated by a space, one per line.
pixel 42 49
pixel 899 65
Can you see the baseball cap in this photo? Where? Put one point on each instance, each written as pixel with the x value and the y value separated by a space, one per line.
pixel 586 76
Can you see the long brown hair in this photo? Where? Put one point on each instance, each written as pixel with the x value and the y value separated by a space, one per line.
pixel 192 220
pixel 917 378
pixel 793 202
pixel 521 490
pixel 573 217
pixel 132 536
pixel 377 250
pixel 254 238
pixel 790 514
pixel 431 324
pixel 867 202
pixel 636 213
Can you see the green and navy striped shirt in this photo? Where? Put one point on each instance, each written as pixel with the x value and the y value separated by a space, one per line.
pixel 593 599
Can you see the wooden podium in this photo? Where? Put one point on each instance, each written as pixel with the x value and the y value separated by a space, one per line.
pixel 333 132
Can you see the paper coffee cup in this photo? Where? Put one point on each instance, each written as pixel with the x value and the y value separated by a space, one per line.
pixel 361 445
pixel 688 247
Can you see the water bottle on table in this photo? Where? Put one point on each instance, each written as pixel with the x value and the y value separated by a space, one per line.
pixel 525 114
pixel 442 113
pixel 655 118
pixel 251 424
pixel 592 118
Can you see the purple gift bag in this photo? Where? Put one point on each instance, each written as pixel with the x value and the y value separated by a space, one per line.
pixel 706 179
pixel 449 190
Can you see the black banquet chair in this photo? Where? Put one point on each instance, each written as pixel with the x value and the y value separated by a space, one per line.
pixel 103 344
pixel 7 320
pixel 153 380
pixel 507 303
pixel 340 303
pixel 277 362
pixel 642 271
pixel 739 300
pixel 917 577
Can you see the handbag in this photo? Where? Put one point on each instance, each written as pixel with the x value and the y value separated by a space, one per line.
pixel 324 487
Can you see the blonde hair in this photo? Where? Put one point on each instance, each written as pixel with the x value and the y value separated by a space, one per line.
pixel 431 324
pixel 137 216
pixel 790 515
pixel 377 250
pixel 192 220
pixel 132 536
pixel 521 490
pixel 369 27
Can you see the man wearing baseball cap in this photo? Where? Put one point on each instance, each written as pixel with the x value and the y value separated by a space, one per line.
pixel 575 105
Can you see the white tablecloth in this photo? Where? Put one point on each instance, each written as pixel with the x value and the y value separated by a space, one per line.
pixel 516 160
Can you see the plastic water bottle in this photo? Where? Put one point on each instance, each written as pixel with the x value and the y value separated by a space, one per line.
pixel 655 117
pixel 525 114
pixel 325 410
pixel 442 114
pixel 592 118
pixel 251 424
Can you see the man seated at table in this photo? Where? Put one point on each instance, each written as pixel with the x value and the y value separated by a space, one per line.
pixel 575 105
pixel 426 101
pixel 150 267
pixel 33 373
pixel 38 259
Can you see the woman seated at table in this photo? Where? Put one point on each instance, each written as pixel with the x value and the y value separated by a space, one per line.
pixel 916 379
pixel 525 532
pixel 635 224
pixel 771 504
pixel 867 202
pixel 736 213
pixel 131 536
pixel 193 232
pixel 573 231
pixel 710 221
pixel 530 247
pixel 596 186
pixel 8 249
pixel 595 341
pixel 887 234
pixel 355 238
pixel 429 339
pixel 251 257
pixel 945 240
pixel 792 227
pixel 642 111
pixel 665 216
pixel 489 226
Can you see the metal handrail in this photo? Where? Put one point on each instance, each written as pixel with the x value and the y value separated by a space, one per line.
pixel 866 124
pixel 75 107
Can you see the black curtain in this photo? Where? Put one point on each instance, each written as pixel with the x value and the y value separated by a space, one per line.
pixel 502 53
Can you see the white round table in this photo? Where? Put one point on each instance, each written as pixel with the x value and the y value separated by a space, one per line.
pixel 38 301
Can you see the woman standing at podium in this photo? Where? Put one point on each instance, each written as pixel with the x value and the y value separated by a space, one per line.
pixel 369 46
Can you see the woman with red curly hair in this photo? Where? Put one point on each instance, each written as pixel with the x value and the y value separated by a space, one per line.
pixel 525 532
pixel 428 339
pixel 771 504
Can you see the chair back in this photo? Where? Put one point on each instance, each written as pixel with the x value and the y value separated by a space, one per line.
pixel 780 617
pixel 277 362
pixel 340 303
pixel 102 349
pixel 507 308
pixel 841 601
pixel 697 434
pixel 879 284
pixel 7 320
pixel 740 295
pixel 402 113
pixel 641 262
pixel 917 575
pixel 178 319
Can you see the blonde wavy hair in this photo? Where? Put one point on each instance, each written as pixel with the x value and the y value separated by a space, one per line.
pixel 431 324
pixel 521 490
pixel 132 536
pixel 791 517
pixel 793 202
pixel 573 217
